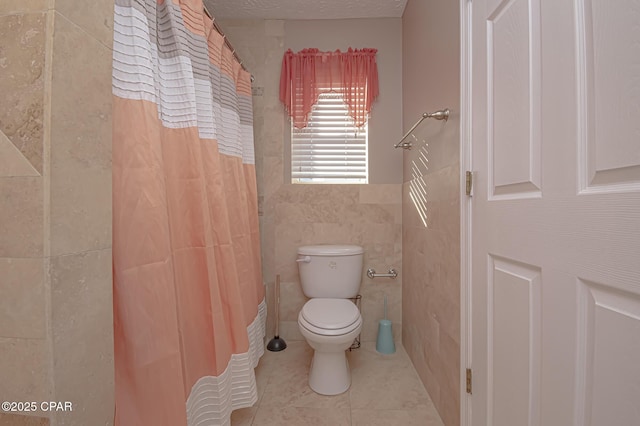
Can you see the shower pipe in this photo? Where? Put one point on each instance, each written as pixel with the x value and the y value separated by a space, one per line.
pixel 442 114
pixel 226 40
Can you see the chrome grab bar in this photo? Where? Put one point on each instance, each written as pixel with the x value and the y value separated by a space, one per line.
pixel 371 273
pixel 442 114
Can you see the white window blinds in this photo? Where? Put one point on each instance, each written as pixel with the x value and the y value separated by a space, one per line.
pixel 330 149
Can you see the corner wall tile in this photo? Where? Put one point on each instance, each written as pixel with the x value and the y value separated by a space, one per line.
pixel 22 305
pixel 24 370
pixel 22 58
pixel 271 307
pixel 21 6
pixel 12 161
pixel 373 294
pixel 82 317
pixel 95 17
pixel 449 406
pixel 18 420
pixel 381 194
pixel 292 299
pixel 80 142
pixel 21 217
pixel 290 331
pixel 272 175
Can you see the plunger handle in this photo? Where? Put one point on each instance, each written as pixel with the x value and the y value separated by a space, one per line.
pixel 277 305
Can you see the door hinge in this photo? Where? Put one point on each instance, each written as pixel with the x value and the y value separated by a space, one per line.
pixel 469 374
pixel 469 182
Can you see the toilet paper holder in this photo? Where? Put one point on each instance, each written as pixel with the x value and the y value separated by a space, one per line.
pixel 371 273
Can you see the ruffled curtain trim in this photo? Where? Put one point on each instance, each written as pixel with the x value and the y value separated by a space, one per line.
pixel 213 398
pixel 307 74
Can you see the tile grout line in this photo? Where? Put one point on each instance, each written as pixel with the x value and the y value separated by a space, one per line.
pixel 46 176
pixel 83 30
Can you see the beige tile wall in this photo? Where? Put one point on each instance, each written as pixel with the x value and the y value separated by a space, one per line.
pixel 16 420
pixel 80 155
pixel 55 212
pixel 25 364
pixel 295 215
pixel 431 227
pixel 339 214
pixel 23 62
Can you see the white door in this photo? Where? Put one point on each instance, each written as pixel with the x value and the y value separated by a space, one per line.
pixel 555 213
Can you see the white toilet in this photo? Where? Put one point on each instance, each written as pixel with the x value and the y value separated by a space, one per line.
pixel 330 275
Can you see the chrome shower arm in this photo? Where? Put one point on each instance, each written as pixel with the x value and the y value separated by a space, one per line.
pixel 442 114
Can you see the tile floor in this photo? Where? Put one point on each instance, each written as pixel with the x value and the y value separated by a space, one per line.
pixel 385 391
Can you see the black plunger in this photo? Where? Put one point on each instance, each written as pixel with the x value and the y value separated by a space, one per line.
pixel 277 344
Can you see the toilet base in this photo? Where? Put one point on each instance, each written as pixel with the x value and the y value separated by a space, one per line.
pixel 329 373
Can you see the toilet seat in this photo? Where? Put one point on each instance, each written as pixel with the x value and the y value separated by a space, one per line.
pixel 330 317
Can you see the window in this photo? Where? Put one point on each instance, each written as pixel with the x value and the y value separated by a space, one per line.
pixel 328 96
pixel 331 149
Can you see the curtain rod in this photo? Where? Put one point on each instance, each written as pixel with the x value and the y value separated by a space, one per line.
pixel 226 40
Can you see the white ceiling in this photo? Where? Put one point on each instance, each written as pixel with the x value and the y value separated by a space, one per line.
pixel 305 9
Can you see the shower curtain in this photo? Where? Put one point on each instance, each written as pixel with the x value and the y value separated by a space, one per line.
pixel 189 306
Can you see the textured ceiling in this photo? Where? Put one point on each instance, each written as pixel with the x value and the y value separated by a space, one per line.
pixel 305 9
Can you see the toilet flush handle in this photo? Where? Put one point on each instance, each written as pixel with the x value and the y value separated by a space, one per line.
pixel 304 259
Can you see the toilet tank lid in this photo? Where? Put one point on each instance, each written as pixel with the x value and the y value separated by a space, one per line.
pixel 330 250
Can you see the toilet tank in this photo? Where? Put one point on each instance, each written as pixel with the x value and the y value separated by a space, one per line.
pixel 333 271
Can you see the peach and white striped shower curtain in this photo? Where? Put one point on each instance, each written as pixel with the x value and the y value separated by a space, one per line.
pixel 188 293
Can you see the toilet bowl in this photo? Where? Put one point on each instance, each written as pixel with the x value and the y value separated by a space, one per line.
pixel 330 275
pixel 330 327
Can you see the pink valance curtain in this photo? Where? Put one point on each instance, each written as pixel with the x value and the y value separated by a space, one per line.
pixel 189 307
pixel 310 72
